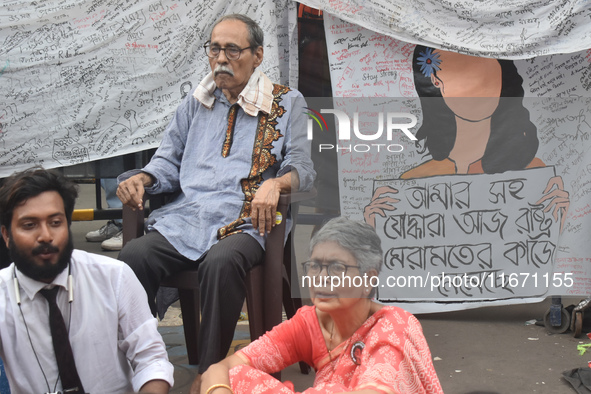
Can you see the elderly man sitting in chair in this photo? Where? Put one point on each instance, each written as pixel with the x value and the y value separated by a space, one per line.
pixel 232 147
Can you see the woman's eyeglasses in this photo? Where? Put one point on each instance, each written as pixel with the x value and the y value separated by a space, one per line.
pixel 333 268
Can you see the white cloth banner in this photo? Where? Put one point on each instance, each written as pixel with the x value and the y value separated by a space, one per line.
pixel 511 29
pixel 83 80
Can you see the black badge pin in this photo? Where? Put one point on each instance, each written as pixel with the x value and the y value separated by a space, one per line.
pixel 356 351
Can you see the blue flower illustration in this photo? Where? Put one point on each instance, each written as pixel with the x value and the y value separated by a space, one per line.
pixel 429 62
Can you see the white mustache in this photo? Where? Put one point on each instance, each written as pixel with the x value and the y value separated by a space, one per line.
pixel 220 68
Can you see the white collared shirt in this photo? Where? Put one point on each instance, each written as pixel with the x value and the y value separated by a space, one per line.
pixel 114 336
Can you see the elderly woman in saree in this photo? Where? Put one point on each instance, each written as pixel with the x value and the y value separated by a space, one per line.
pixel 354 343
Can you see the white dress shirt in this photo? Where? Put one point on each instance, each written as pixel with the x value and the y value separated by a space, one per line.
pixel 114 336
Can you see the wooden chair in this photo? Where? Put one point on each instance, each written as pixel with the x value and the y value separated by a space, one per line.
pixel 267 285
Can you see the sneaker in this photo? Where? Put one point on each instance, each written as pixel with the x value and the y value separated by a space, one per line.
pixel 107 231
pixel 114 243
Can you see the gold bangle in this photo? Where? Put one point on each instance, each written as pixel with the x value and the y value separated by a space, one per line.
pixel 219 386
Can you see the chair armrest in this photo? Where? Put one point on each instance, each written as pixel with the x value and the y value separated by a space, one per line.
pixel 133 221
pixel 287 198
pixel 274 260
pixel 133 224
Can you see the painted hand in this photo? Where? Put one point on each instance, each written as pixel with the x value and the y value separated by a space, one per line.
pixel 558 199
pixel 380 202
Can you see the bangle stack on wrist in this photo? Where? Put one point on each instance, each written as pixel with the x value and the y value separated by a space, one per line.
pixel 218 386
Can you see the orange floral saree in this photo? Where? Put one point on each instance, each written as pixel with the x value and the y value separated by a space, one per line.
pixel 388 354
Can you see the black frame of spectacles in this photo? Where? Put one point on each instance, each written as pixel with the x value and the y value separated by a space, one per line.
pixel 208 45
pixel 327 265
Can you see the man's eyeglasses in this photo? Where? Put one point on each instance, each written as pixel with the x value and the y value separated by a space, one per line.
pixel 231 52
pixel 333 268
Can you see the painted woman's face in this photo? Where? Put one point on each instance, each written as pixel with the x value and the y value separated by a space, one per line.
pixel 470 86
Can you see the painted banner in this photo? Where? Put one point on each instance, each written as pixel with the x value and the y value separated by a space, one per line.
pixel 470 237
pixel 87 80
pixel 421 118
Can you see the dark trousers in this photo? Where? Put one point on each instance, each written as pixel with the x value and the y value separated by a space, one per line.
pixel 222 272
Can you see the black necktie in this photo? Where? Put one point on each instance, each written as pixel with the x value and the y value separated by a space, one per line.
pixel 61 345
